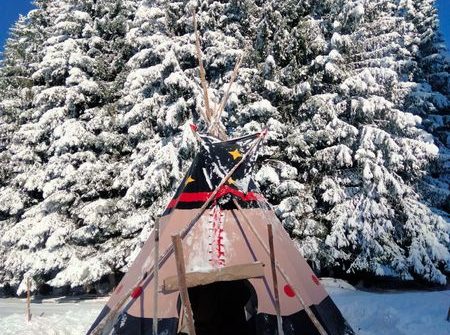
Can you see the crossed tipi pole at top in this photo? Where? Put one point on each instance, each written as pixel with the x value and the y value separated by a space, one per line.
pixel 212 117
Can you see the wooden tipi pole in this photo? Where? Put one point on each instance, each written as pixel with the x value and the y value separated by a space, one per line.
pixel 275 280
pixel 106 324
pixel 181 272
pixel 215 121
pixel 202 71
pixel 308 310
pixel 155 278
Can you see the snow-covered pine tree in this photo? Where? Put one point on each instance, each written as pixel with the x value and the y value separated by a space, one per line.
pixel 429 95
pixel 104 147
pixel 17 65
pixel 105 138
pixel 360 153
pixel 379 224
pixel 21 53
pixel 161 95
pixel 65 152
pixel 296 36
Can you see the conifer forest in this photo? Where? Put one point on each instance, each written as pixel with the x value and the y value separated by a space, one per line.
pixel 97 98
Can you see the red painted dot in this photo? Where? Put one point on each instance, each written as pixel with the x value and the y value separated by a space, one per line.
pixel 315 280
pixel 137 291
pixel 289 291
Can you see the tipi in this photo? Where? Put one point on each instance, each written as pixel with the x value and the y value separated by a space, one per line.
pixel 222 220
pixel 240 272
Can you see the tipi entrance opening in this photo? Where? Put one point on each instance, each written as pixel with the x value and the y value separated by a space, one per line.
pixel 224 308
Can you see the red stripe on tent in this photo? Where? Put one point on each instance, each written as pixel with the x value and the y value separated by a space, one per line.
pixel 224 190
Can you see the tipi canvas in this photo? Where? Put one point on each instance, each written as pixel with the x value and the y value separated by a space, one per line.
pixel 223 223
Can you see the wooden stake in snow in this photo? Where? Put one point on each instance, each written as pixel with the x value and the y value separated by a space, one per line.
pixel 275 280
pixel 155 279
pixel 28 300
pixel 448 315
pixel 181 272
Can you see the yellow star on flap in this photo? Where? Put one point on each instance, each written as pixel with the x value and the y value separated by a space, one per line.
pixel 231 181
pixel 189 180
pixel 235 153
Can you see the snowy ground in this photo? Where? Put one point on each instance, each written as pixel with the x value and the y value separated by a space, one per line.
pixel 49 317
pixel 370 313
pixel 392 313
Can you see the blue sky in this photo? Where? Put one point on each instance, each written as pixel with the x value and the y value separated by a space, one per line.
pixel 444 16
pixel 10 10
pixel 9 13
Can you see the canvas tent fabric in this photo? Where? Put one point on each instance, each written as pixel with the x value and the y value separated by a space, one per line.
pixel 221 238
